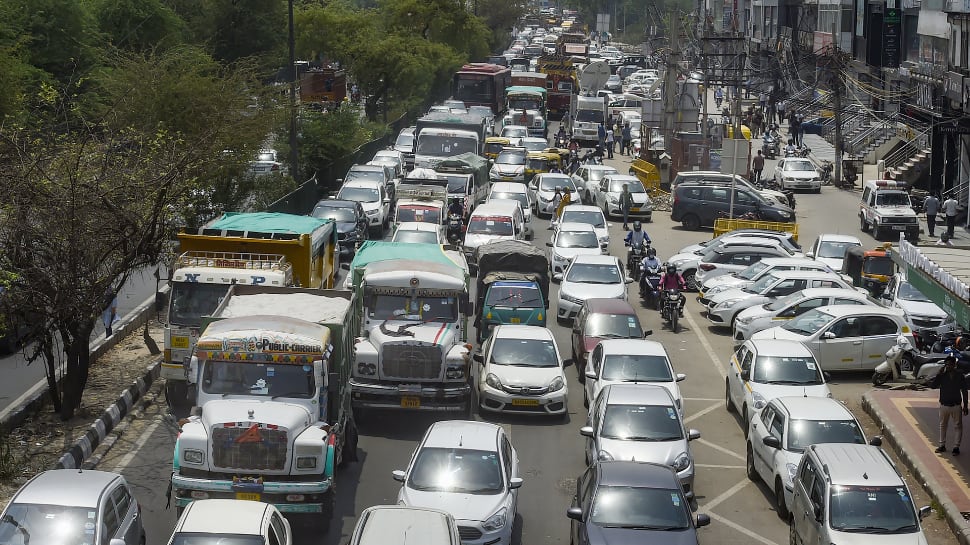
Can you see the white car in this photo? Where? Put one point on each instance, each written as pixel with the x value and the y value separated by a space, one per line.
pixel 383 524
pixel 420 232
pixel 581 213
pixel 784 429
pixel 391 156
pixel 615 361
pixel 606 195
pixel 798 173
pixel 267 162
pixel 468 469
pixel 760 317
pixel 588 175
pixel 736 256
pixel 763 369
pixel 235 521
pixel 689 257
pixel 534 143
pixel 543 187
pixel 514 133
pixel 785 238
pixel 509 166
pixel 522 372
pixel 724 306
pixel 372 196
pixel 571 240
pixel 830 249
pixel 514 191
pixel 845 337
pixel 754 272
pixel 589 277
pixel 918 310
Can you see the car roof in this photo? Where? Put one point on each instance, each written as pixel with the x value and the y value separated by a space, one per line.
pixel 596 259
pixel 835 237
pixel 575 226
pixel 855 464
pixel 69 487
pixel 212 517
pixel 507 331
pixel 604 305
pixel 779 347
pixel 367 168
pixel 740 247
pixel 783 261
pixel 497 206
pixel 384 524
pixel 807 274
pixel 641 347
pixel 601 167
pixel 582 208
pixel 637 394
pixel 622 177
pixel 509 187
pixel 361 182
pixel 408 130
pixel 556 175
pixel 814 408
pixel 465 434
pixel 833 292
pixel 337 203
pixel 848 310
pixel 641 474
pixel 417 226
pixel 534 139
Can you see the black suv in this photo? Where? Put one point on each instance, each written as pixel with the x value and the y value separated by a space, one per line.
pixel 350 219
pixel 698 205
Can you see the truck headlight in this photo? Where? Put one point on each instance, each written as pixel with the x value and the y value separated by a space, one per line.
pixel 366 368
pixel 493 381
pixel 306 462
pixel 454 373
pixel 556 384
pixel 193 456
pixel 497 521
pixel 681 462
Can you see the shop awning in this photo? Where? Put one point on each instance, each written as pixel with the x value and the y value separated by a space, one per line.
pixel 941 273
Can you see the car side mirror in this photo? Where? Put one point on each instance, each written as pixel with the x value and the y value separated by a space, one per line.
pixel 826 376
pixel 828 335
pixel 681 377
pixel 703 520
pixel 398 475
pixel 771 441
pixel 923 512
pixel 340 181
pixel 345 265
pixel 479 357
pixel 647 333
pixel 586 431
pixel 515 482
pixel 628 280
pixel 591 374
pixel 693 434
pixel 116 541
pixel 875 441
pixel 746 375
pixel 810 255
pixel 575 513
pixel 557 277
pixel 387 200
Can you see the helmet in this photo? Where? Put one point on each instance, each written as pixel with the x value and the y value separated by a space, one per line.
pixel 651 252
pixel 671 269
pixel 637 226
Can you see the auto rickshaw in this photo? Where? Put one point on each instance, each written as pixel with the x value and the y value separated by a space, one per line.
pixel 494 144
pixel 537 162
pixel 869 269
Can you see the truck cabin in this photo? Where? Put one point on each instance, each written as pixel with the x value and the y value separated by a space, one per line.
pixel 526 98
pixel 445 143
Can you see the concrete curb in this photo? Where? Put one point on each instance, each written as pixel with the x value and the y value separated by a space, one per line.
pixel 953 516
pixel 108 443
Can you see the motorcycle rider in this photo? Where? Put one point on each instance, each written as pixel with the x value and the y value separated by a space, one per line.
pixel 790 149
pixel 636 237
pixel 648 262
pixel 456 208
pixel 672 280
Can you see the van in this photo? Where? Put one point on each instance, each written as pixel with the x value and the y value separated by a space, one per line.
pixel 500 219
pixel 587 114
pixel 698 205
pixel 844 490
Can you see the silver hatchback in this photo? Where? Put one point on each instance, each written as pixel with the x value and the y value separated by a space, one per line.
pixel 73 506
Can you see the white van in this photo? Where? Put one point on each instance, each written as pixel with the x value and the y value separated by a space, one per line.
pixel 494 220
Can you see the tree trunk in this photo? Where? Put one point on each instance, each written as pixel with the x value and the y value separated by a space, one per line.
pixel 50 369
pixel 78 361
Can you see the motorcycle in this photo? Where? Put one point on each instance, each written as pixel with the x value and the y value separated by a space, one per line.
pixel 650 287
pixel 825 172
pixel 770 145
pixel 904 364
pixel 634 257
pixel 454 228
pixel 670 309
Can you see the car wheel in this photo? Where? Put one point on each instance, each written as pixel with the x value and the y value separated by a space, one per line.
pixel 863 225
pixel 749 464
pixel 728 404
pixel 691 222
pixel 780 504
pixel 690 280
pixel 792 538
pixel 876 231
pixel 818 190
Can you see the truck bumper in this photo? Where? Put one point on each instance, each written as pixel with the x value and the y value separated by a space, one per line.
pixel 417 397
pixel 281 494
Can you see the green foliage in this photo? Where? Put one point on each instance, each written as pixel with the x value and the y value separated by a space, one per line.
pixel 327 137
pixel 139 25
pixel 62 36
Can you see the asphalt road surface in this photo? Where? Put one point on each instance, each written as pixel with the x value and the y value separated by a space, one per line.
pixel 551 450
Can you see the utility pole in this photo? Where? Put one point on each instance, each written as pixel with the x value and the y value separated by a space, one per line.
pixel 835 61
pixel 667 122
pixel 294 152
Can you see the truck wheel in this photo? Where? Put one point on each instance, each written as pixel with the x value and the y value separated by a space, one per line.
pixel 176 393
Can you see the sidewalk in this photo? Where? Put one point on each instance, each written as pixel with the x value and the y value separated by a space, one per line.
pixel 909 420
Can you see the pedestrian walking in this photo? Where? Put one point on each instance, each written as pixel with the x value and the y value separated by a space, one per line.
pixel 626 203
pixel 763 100
pixel 610 142
pixel 610 121
pixel 953 391
pixel 564 202
pixel 932 206
pixel 950 211
pixel 626 137
pixel 780 110
pixel 758 165
pixel 601 134
pixel 110 314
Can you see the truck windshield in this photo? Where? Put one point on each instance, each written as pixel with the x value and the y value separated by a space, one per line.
pixel 524 103
pixel 514 296
pixel 191 301
pixel 458 184
pixel 473 89
pixel 589 116
pixel 258 379
pixel 441 145
pixel 420 308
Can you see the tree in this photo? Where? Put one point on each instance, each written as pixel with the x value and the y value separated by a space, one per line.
pixel 139 25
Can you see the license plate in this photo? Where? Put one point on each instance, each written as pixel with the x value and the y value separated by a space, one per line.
pixel 526 402
pixel 635 209
pixel 248 496
pixel 515 320
pixel 899 227
pixel 180 342
pixel 410 402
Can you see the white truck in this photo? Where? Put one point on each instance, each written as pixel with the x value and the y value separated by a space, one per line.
pixel 414 352
pixel 440 135
pixel 273 418
pixel 587 113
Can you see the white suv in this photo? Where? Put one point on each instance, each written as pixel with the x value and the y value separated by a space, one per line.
pixel 885 208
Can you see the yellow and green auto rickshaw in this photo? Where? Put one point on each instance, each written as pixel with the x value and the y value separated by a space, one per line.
pixel 494 144
pixel 537 162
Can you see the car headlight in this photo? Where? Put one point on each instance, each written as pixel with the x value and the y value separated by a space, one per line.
pixel 570 298
pixel 792 469
pixel 497 521
pixel 728 303
pixel 744 320
pixel 715 289
pixel 681 462
pixel 556 384
pixel 604 456
pixel 783 214
pixel 493 381
pixel 759 400
pixel 193 456
pixel 611 197
pixel 306 462
pixel 372 212
pixel 604 240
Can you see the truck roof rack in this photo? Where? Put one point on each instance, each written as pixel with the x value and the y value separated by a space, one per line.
pixel 233 260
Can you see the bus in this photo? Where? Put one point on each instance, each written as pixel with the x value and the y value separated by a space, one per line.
pixel 482 84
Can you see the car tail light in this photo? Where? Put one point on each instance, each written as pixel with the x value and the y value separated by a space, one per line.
pixel 707 267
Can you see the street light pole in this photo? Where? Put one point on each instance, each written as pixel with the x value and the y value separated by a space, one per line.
pixel 294 152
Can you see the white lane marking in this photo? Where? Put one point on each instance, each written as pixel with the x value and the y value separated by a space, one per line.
pixel 703 411
pixel 706 344
pixel 726 495
pixel 714 446
pixel 718 466
pixel 142 439
pixel 741 529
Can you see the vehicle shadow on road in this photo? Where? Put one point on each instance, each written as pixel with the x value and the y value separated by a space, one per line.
pixel 348 478
pixel 522 419
pixel 390 425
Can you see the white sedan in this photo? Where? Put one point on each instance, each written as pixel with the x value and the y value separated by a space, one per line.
pixel 830 248
pixel 590 277
pixel 762 370
pixel 569 241
pixel 581 213
pixel 614 361
pixel 522 372
pixel 724 306
pixel 606 195
pixel 798 173
pixel 420 232
pixel 760 317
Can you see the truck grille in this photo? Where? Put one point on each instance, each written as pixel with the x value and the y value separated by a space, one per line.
pixel 411 361
pixel 256 448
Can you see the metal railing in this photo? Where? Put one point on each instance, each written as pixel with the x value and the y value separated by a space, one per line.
pixel 905 152
pixel 857 144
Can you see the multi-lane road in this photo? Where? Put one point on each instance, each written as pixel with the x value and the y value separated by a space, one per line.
pixel 551 450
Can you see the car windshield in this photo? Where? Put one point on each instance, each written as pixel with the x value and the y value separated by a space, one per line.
pixel 589 116
pixel 794 370
pixel 617 326
pixel 198 538
pixel 892 198
pixel 521 198
pixel 440 145
pixel 190 301
pixel 762 284
pixel 577 239
pixel 359 194
pixel 809 323
pixel 802 433
pixel 590 273
pixel 258 379
pixel 420 308
pixel 266 156
pixel 639 508
pixel 28 523
pixel 550 183
pixel 833 249
pixel 421 237
pixel 596 174
pixel 634 186
pixel 641 423
pixel 490 225
pixel 514 297
pixel 799 166
pixel 336 213
pixel 405 140
pixel 752 271
pixel 510 158
pixel 421 214
pixel 457 184
pixel 907 292
pixel 582 216
pixel 872 510
pixel 524 353
pixel 457 470
pixel 636 368
pixel 535 145
pixel 783 302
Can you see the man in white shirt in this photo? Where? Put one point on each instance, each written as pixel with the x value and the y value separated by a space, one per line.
pixel 950 211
